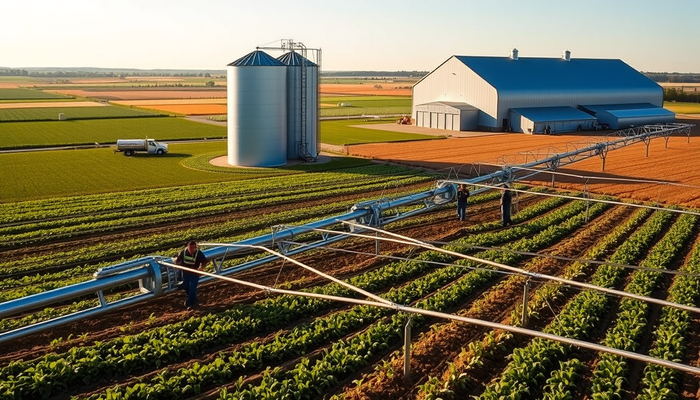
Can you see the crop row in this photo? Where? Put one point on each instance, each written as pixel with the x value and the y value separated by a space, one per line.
pixel 457 373
pixel 195 332
pixel 50 280
pixel 632 315
pixel 548 293
pixel 153 216
pixel 158 241
pixel 143 244
pixel 24 212
pixel 30 284
pixel 311 378
pixel 526 372
pixel 670 336
pixel 526 214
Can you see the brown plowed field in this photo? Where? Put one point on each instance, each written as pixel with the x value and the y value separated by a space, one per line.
pixel 677 164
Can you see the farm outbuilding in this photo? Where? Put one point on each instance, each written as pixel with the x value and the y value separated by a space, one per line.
pixel 618 117
pixel 528 94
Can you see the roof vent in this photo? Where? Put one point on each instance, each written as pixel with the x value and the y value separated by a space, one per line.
pixel 566 56
pixel 514 54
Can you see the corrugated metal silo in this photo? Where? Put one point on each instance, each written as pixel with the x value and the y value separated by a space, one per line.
pixel 302 106
pixel 257 111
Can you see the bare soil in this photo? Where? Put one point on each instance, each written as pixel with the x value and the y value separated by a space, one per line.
pixel 674 163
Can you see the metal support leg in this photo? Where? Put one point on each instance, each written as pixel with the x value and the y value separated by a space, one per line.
pixel 647 141
pixel 101 296
pixel 526 294
pixel 376 244
pixel 407 351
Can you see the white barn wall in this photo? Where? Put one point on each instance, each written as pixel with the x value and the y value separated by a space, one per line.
pixel 454 81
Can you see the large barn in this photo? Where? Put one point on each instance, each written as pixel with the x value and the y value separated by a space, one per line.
pixel 533 95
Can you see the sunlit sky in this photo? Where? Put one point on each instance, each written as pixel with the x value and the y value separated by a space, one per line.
pixel 380 35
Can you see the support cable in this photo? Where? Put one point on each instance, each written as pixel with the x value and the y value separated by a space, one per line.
pixel 474 321
pixel 563 196
pixel 282 256
pixel 407 240
pixel 397 258
pixel 652 181
pixel 570 259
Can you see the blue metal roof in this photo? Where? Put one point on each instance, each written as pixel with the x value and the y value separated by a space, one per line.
pixel 543 74
pixel 256 58
pixel 643 112
pixel 294 58
pixel 551 114
pixel 607 107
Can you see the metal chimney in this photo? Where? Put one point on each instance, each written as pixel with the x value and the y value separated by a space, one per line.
pixel 514 54
pixel 566 56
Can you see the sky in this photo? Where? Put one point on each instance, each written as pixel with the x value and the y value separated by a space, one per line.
pixel 355 35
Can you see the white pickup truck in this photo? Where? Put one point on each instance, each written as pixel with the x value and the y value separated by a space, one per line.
pixel 129 146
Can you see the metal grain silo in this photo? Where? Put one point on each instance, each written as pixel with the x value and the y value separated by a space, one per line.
pixel 302 106
pixel 257 111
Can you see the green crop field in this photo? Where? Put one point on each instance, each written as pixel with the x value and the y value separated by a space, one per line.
pixel 28 94
pixel 45 174
pixel 683 108
pixel 51 114
pixel 365 105
pixel 368 101
pixel 59 133
pixel 17 135
pixel 342 132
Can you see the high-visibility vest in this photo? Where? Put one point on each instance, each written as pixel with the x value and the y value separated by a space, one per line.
pixel 189 260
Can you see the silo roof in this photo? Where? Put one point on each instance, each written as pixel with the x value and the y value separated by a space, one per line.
pixel 256 58
pixel 294 58
pixel 537 74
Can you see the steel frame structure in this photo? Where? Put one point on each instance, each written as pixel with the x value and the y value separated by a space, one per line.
pixel 156 278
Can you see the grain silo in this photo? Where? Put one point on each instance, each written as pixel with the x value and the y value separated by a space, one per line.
pixel 302 106
pixel 257 111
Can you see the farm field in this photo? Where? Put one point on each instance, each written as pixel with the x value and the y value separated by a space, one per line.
pixel 245 343
pixel 464 154
pixel 683 108
pixel 18 135
pixel 248 343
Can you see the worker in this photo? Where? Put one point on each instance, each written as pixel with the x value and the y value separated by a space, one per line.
pixel 462 196
pixel 195 259
pixel 506 198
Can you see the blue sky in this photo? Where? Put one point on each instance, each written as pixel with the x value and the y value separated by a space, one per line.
pixel 389 35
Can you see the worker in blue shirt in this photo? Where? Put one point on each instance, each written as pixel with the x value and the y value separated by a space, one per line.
pixel 506 201
pixel 462 197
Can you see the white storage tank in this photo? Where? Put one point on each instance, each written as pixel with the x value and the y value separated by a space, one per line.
pixel 302 106
pixel 257 111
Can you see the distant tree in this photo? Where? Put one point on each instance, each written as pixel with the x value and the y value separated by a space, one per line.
pixel 210 83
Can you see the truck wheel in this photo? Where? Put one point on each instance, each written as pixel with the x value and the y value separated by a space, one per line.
pixel 128 152
pixel 160 151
